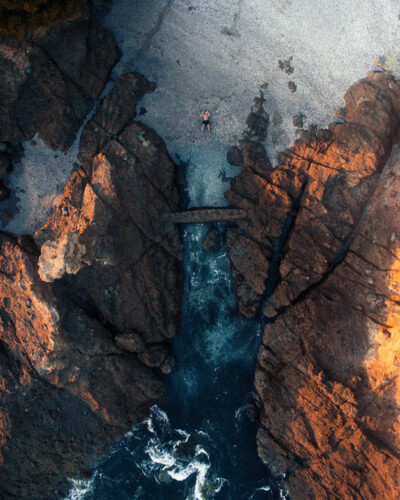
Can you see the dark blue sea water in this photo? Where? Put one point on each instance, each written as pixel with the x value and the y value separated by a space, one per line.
pixel 200 443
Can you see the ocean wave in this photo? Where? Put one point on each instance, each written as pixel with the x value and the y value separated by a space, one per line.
pixel 178 455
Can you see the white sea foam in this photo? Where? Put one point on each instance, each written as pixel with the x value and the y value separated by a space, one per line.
pixel 180 470
pixel 240 412
pixel 160 456
pixel 283 494
pixel 208 174
pixel 150 426
pixel 80 488
pixel 163 449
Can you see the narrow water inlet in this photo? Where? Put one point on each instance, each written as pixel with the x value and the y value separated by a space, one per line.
pixel 200 443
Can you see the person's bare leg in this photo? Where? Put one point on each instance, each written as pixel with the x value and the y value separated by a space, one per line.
pixel 202 128
pixel 209 129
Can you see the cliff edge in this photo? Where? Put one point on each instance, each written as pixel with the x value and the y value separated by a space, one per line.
pixel 319 255
pixel 87 306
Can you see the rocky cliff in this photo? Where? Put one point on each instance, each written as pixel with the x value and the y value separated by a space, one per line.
pixel 88 304
pixel 51 78
pixel 319 256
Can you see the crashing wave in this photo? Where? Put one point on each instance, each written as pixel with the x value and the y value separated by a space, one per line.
pixel 79 488
pixel 178 455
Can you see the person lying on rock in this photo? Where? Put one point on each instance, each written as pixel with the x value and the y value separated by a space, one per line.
pixel 206 121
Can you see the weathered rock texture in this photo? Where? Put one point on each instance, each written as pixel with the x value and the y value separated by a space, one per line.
pixel 50 79
pixel 319 255
pixel 88 306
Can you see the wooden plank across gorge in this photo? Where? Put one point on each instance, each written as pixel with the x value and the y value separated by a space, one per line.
pixel 199 215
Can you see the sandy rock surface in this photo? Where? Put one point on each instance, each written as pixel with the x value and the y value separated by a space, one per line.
pixel 217 54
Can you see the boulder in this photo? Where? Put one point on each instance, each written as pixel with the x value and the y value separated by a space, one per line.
pixel 131 342
pixel 158 356
pixel 211 242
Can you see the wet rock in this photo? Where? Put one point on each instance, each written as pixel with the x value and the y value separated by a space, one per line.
pixel 254 157
pixel 298 120
pixel 319 256
pixel 253 412
pixel 211 242
pixel 234 156
pixel 251 153
pixel 186 450
pixel 292 86
pixel 155 355
pixel 168 365
pixel 286 65
pixel 258 120
pixel 4 192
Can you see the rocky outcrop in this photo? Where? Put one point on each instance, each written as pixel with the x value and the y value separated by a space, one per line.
pixel 50 79
pixel 212 240
pixel 88 306
pixel 319 256
pixel 107 121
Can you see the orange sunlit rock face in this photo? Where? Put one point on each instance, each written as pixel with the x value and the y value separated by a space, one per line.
pixel 382 363
pixel 383 366
pixel 328 375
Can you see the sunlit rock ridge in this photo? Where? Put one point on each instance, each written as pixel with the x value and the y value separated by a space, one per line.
pixel 319 256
